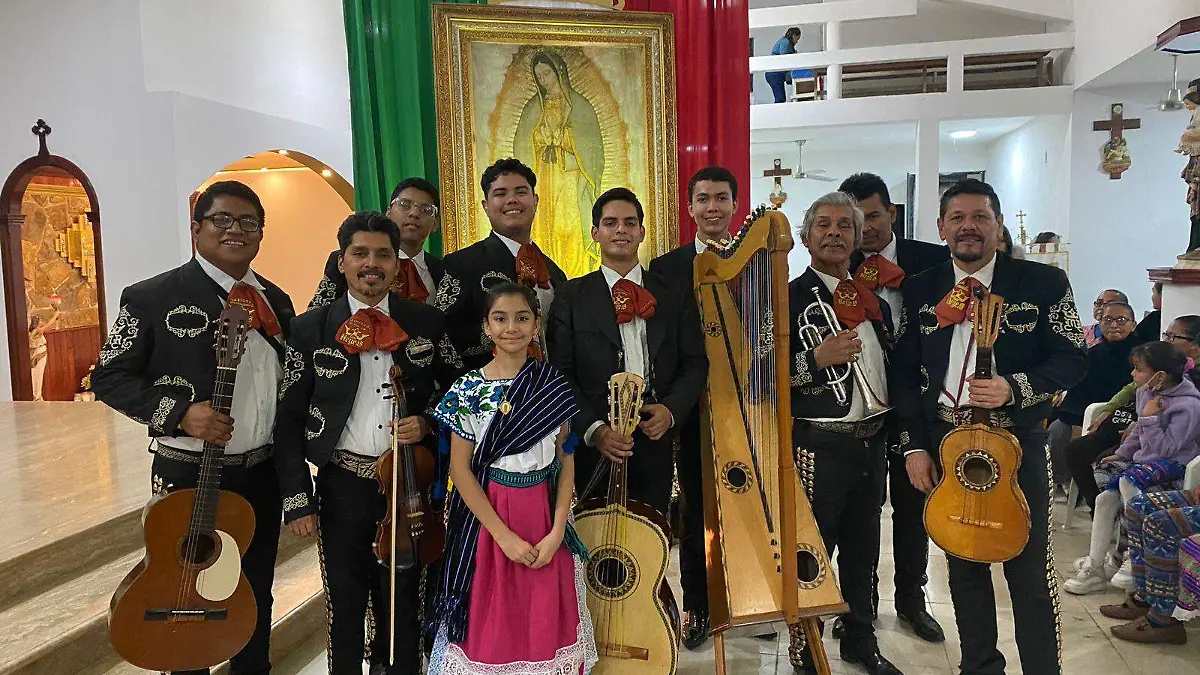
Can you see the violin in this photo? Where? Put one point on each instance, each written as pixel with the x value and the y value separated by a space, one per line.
pixel 411 530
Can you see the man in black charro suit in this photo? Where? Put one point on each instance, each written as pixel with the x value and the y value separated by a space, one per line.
pixel 882 263
pixel 159 367
pixel 1039 352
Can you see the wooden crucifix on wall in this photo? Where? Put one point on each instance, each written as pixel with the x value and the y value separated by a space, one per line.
pixel 1116 150
pixel 778 196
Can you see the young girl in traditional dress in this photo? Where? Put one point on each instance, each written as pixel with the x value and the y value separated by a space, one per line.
pixel 511 597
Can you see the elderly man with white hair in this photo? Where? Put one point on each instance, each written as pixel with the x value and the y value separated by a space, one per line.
pixel 839 431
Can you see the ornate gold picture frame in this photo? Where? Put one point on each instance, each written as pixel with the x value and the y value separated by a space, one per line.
pixel 584 98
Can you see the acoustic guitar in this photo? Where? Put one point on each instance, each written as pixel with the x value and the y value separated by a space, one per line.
pixel 977 511
pixel 635 619
pixel 187 605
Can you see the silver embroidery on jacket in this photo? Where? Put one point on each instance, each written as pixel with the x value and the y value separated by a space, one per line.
pixel 293 368
pixel 174 316
pixel 177 381
pixel 121 338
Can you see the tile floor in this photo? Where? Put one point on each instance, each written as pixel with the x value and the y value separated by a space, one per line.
pixel 1088 648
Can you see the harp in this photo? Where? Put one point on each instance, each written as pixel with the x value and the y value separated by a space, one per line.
pixel 766 560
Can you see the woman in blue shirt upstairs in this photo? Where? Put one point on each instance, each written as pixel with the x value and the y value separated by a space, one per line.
pixel 777 79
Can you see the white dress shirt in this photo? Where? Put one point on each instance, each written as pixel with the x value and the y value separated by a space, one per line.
pixel 633 336
pixel 255 386
pixel 544 295
pixel 701 247
pixel 367 432
pixel 892 296
pixel 870 360
pixel 422 266
pixel 962 345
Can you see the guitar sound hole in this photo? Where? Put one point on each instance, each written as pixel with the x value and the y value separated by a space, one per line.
pixel 977 472
pixel 737 477
pixel 197 549
pixel 807 566
pixel 612 573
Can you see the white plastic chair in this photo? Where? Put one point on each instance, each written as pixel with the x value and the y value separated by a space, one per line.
pixel 1192 477
pixel 1089 416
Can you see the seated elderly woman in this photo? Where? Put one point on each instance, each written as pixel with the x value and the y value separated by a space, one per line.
pixel 1107 374
pixel 1163 550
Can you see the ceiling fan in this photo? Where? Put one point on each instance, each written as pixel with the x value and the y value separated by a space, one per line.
pixel 814 174
pixel 1174 98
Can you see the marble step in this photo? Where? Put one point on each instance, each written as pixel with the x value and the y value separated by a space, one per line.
pixel 64 630
pixel 43 567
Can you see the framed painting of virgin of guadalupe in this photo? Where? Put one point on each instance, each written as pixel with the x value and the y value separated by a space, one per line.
pixel 585 99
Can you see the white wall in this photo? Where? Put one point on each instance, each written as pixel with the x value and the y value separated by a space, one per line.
pixel 1030 168
pixel 1119 228
pixel 893 163
pixel 82 68
pixel 1107 32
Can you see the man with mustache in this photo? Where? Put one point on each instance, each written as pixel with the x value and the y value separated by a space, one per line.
pixel 622 318
pixel 506 255
pixel 1039 352
pixel 335 411
pixel 414 208
pixel 159 367
pixel 712 201
pixel 841 441
pixel 882 263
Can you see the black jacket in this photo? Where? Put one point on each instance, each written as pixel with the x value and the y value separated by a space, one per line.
pixel 159 357
pixel 462 293
pixel 1107 373
pixel 1149 329
pixel 677 264
pixel 333 282
pixel 1039 350
pixel 585 344
pixel 320 384
pixel 811 395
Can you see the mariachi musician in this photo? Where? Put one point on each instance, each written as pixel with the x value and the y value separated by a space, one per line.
pixel 336 412
pixel 1039 351
pixel 508 254
pixel 839 429
pixel 712 198
pixel 881 264
pixel 158 367
pixel 655 333
pixel 414 208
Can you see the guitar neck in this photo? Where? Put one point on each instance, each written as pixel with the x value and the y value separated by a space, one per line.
pixel 983 371
pixel 618 483
pixel 208 486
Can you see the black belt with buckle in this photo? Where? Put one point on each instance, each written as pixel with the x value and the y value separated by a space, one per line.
pixel 243 460
pixel 359 465
pixel 860 429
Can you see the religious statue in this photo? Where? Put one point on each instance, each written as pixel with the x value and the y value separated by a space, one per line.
pixel 559 137
pixel 1189 145
pixel 1116 157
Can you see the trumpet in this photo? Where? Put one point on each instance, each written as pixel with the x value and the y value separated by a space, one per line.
pixel 810 333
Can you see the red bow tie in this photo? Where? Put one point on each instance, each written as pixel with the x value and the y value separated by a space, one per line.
pixel 370 328
pixel 878 271
pixel 959 303
pixel 854 304
pixel 531 266
pixel 408 283
pixel 631 300
pixel 261 317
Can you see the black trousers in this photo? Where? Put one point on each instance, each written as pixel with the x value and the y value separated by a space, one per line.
pixel 1032 584
pixel 847 486
pixel 910 544
pixel 348 510
pixel 651 472
pixel 259 484
pixel 1085 450
pixel 693 574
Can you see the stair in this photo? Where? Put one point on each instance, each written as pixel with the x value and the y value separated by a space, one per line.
pixel 54 600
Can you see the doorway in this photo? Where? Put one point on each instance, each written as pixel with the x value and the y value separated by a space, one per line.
pixel 53 271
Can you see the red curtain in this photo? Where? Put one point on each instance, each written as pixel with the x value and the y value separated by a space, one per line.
pixel 712 90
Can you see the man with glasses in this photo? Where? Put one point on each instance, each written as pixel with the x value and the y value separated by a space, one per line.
pixel 158 367
pixel 414 208
pixel 1093 334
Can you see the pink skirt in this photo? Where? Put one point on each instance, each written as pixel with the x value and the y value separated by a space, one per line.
pixel 521 620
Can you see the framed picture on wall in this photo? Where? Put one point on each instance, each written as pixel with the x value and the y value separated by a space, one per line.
pixel 583 98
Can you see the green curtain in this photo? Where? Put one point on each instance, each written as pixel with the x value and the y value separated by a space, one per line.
pixel 390 50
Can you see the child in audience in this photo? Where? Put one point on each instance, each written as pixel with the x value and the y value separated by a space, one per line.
pixel 1164 439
